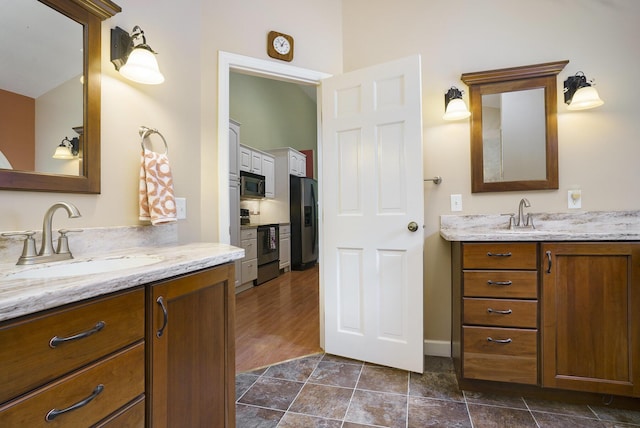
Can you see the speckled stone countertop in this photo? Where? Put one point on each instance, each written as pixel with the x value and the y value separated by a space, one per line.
pixel 583 226
pixel 20 297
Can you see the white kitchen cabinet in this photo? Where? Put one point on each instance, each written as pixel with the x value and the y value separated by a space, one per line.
pixel 249 264
pixel 244 158
pixel 285 247
pixel 234 190
pixel 297 163
pixel 269 172
pixel 288 161
pixel 256 162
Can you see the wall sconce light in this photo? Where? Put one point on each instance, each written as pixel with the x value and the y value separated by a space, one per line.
pixel 454 106
pixel 68 148
pixel 579 94
pixel 136 62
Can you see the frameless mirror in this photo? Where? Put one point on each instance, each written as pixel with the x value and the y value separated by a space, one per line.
pixel 49 91
pixel 514 140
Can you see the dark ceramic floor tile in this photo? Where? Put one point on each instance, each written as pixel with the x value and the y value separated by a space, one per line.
pixel 553 420
pixel 256 417
pixel 295 420
pixel 243 383
pixel 558 407
pixel 435 385
pixel 324 401
pixel 438 364
pixel 336 374
pixel 499 417
pixel 355 425
pixel 384 379
pixel 426 412
pixel 607 424
pixel 378 408
pixel 338 359
pixel 272 393
pixel 617 415
pixel 299 369
pixel 501 400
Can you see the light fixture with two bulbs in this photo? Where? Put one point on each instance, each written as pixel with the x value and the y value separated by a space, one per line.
pixel 133 57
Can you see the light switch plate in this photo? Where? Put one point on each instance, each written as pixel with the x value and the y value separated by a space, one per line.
pixel 456 202
pixel 181 208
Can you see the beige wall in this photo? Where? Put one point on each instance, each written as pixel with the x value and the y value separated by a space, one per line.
pixel 598 149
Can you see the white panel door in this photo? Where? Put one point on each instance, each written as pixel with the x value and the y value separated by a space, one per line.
pixel 372 191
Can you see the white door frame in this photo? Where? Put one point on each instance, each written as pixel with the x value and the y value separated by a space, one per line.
pixel 271 70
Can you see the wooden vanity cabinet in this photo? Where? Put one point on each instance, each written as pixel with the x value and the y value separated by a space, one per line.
pixel 496 326
pixel 91 351
pixel 190 345
pixel 591 317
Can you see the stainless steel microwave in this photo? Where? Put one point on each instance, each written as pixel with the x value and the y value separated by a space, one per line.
pixel 251 185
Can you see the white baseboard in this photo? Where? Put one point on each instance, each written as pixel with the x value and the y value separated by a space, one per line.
pixel 437 348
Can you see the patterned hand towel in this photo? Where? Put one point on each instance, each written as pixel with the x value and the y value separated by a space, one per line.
pixel 157 202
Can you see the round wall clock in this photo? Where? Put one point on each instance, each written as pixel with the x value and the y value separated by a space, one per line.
pixel 280 46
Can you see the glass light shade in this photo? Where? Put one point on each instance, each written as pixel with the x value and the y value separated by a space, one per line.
pixel 456 110
pixel 63 152
pixel 584 98
pixel 142 67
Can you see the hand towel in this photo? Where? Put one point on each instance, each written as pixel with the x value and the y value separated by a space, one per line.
pixel 272 238
pixel 157 201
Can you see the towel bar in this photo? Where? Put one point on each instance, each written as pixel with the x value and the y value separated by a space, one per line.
pixel 145 131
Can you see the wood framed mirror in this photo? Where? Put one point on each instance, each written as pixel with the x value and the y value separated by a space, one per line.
pixel 75 25
pixel 514 130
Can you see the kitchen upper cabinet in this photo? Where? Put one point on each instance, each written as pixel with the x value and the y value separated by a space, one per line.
pixel 245 154
pixel 256 162
pixel 297 163
pixel 234 151
pixel 591 317
pixel 190 331
pixel 269 172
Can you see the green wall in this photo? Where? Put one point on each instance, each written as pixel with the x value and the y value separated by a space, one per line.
pixel 273 113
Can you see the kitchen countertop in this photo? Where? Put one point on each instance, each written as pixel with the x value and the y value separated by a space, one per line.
pixel 20 297
pixel 582 226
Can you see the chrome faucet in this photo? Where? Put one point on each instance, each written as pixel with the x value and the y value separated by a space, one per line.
pixel 47 253
pixel 522 221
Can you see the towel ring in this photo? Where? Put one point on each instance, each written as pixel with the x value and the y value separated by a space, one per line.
pixel 146 131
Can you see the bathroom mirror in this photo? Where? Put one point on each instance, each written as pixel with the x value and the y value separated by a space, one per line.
pixel 514 132
pixel 58 88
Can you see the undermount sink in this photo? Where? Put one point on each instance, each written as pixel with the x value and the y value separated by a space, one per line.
pixel 84 267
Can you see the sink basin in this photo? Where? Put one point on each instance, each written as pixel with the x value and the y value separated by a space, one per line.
pixel 84 267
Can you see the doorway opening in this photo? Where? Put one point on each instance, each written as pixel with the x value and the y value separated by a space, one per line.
pixel 232 63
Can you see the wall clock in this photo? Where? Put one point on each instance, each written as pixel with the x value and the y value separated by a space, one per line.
pixel 280 46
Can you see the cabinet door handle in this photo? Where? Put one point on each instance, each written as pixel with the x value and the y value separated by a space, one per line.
pixel 55 340
pixel 548 253
pixel 54 413
pixel 490 339
pixel 165 316
pixel 503 283
pixel 496 311
pixel 490 254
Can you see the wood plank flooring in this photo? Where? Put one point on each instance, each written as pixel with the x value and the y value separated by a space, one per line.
pixel 278 320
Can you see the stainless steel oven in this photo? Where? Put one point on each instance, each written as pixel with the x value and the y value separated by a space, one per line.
pixel 268 252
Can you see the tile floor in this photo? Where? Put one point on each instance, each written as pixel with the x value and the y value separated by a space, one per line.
pixel 327 391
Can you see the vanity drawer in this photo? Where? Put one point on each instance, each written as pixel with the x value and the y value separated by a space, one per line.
pixel 500 255
pixel 515 361
pixel 122 378
pixel 519 313
pixel 29 361
pixel 506 284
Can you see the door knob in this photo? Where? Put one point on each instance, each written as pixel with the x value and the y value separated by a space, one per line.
pixel 412 226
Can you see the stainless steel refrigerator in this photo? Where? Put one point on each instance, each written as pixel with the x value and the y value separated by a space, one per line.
pixel 304 222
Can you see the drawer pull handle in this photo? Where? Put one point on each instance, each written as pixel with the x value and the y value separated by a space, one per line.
pixel 165 316
pixel 54 413
pixel 490 254
pixel 503 283
pixel 490 339
pixel 55 340
pixel 548 253
pixel 495 311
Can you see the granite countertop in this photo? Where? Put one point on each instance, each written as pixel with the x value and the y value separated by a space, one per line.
pixel 583 226
pixel 20 297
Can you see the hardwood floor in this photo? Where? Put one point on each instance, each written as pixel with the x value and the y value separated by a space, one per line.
pixel 278 320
